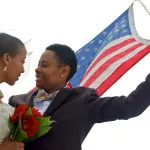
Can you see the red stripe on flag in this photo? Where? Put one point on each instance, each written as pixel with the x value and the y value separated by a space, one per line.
pixel 68 85
pixel 102 68
pixel 120 71
pixel 107 52
pixel 34 89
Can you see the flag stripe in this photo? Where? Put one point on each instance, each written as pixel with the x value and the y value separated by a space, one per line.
pixel 105 60
pixel 68 85
pixel 113 43
pixel 122 49
pixel 110 61
pixel 119 72
pixel 100 79
pixel 107 52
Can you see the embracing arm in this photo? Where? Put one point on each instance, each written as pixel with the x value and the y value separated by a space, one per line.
pixel 112 108
pixel 27 99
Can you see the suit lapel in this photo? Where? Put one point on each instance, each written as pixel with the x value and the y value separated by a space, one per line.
pixel 58 101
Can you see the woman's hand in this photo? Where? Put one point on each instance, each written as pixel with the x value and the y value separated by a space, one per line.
pixel 8 144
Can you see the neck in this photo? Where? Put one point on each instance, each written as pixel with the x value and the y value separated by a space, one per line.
pixel 1 74
pixel 1 96
pixel 1 101
pixel 1 78
pixel 50 91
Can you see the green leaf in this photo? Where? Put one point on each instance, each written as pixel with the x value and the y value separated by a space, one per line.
pixel 15 132
pixel 19 123
pixel 44 125
pixel 43 121
pixel 22 135
pixel 51 121
pixel 10 125
pixel 42 131
pixel 29 112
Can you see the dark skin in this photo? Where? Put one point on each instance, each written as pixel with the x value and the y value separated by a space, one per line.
pixel 10 76
pixel 14 66
pixel 51 74
pixel 11 145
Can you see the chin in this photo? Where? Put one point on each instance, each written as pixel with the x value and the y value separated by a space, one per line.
pixel 39 86
pixel 11 83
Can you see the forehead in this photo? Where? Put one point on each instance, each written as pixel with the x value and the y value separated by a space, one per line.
pixel 22 53
pixel 48 56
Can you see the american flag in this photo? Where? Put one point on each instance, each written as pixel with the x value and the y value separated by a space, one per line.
pixel 108 56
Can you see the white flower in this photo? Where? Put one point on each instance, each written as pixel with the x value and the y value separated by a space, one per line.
pixel 5 111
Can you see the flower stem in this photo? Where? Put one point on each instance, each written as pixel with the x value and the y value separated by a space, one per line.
pixel 15 133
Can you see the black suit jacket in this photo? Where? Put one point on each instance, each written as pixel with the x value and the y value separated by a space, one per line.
pixel 76 110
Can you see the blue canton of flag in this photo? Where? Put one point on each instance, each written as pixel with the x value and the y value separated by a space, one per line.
pixel 87 53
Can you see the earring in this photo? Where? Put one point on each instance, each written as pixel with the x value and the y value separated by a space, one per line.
pixel 62 75
pixel 5 68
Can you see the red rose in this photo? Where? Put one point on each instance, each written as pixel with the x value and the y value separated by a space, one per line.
pixel 14 118
pixel 18 112
pixel 29 125
pixel 21 109
pixel 36 113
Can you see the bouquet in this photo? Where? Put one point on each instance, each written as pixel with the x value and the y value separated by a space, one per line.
pixel 27 124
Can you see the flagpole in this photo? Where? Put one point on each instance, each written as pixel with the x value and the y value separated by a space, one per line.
pixel 142 3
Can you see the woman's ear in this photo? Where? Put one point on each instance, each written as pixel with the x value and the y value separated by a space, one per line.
pixel 7 59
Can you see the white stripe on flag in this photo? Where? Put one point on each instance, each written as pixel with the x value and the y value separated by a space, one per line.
pixel 101 62
pixel 113 67
pixel 113 43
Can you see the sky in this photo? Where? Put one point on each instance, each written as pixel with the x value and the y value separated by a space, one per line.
pixel 75 23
